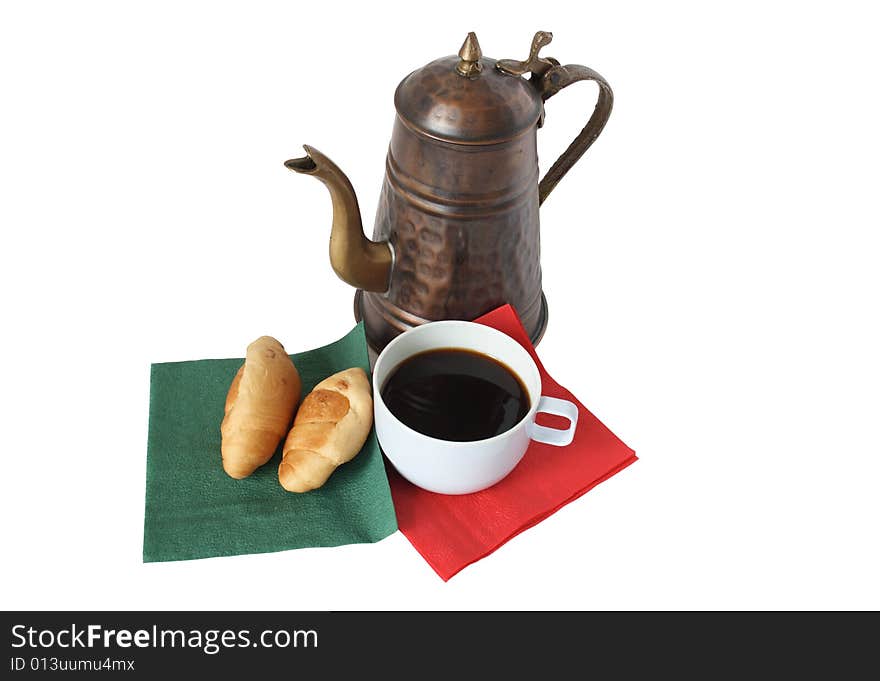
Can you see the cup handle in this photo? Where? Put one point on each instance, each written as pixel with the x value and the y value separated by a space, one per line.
pixel 555 436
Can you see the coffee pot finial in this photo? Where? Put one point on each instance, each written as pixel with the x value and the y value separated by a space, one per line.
pixel 470 54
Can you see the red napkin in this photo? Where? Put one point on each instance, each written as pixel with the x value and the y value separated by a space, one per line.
pixel 453 531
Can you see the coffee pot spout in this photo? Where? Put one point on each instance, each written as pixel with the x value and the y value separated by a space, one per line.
pixel 357 260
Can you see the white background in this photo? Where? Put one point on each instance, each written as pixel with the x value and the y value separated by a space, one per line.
pixel 711 267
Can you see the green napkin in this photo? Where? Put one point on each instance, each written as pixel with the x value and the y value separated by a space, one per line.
pixel 194 510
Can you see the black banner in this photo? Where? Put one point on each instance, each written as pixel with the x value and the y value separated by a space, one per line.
pixel 131 644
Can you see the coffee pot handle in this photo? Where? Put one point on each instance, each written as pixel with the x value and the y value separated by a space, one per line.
pixel 550 77
pixel 554 80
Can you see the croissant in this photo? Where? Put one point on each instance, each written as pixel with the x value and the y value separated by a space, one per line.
pixel 330 428
pixel 259 405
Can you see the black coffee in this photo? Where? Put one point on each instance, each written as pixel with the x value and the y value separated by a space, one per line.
pixel 455 394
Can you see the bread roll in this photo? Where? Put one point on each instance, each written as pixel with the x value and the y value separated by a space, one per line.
pixel 259 405
pixel 330 428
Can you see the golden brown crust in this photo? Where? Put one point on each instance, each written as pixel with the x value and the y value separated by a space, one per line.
pixel 303 470
pixel 259 405
pixel 232 395
pixel 322 406
pixel 330 429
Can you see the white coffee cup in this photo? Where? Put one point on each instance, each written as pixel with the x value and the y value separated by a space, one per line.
pixel 451 467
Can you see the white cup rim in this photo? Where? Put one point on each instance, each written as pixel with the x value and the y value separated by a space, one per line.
pixel 533 407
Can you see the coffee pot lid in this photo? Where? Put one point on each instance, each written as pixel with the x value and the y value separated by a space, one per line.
pixel 468 99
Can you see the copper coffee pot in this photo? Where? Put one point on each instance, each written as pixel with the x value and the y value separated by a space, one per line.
pixel 457 229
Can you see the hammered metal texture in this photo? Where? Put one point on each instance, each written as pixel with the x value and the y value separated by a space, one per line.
pixel 465 232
